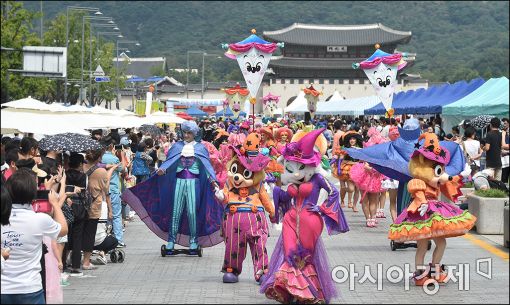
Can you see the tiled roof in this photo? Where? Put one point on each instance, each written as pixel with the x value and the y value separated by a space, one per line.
pixel 337 35
pixel 314 63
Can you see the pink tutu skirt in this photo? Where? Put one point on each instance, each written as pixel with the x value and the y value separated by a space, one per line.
pixel 366 180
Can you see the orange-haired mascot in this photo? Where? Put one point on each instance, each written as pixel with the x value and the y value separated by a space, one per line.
pixel 245 200
pixel 427 218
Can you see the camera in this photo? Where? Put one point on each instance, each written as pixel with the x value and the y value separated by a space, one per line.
pixel 69 188
pixel 118 147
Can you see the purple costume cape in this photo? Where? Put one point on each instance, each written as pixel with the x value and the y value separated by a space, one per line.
pixel 334 220
pixel 153 200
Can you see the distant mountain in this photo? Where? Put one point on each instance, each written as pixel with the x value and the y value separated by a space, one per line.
pixel 453 40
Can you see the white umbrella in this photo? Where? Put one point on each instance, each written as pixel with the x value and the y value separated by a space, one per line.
pixel 27 103
pixel 37 122
pixel 163 117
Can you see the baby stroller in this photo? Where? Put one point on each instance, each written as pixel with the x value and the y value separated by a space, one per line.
pixel 105 244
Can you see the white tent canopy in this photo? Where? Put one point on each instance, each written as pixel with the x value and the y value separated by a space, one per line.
pixel 355 106
pixel 298 105
pixel 336 97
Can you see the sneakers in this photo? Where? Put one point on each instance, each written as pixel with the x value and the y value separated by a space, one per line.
pixel 75 272
pixel 89 267
pixel 101 258
pixel 121 245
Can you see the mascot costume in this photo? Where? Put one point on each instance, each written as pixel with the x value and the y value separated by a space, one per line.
pixel 245 200
pixel 299 271
pixel 427 218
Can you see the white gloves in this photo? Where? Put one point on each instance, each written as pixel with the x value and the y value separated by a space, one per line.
pixel 219 194
pixel 466 172
pixel 423 209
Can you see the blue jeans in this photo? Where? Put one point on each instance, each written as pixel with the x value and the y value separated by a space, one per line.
pixel 117 216
pixel 24 298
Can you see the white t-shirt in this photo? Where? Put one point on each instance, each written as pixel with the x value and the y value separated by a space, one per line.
pixel 24 235
pixel 472 148
pixel 385 131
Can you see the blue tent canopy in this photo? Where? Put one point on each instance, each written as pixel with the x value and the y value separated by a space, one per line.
pixel 428 101
pixel 155 79
pixel 135 79
pixel 194 111
pixel 228 113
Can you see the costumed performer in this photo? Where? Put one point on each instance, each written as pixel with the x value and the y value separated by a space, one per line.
pixel 298 270
pixel 179 201
pixel 427 218
pixel 244 222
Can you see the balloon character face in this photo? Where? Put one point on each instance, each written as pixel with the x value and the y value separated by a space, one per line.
pixel 253 64
pixel 311 101
pixel 381 69
pixel 383 78
pixel 270 106
pixel 235 102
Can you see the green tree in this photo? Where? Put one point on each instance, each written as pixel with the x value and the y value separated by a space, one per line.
pixel 16 26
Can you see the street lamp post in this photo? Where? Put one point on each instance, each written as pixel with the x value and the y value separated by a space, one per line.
pixel 117 69
pixel 75 8
pixel 104 33
pixel 203 70
pixel 187 69
pixel 83 46
pixel 90 54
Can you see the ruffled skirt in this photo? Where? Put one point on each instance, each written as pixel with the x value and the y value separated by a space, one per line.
pixel 366 180
pixel 345 168
pixel 441 220
pixel 306 281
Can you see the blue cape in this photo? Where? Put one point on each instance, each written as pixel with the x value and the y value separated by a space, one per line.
pixel 392 158
pixel 153 200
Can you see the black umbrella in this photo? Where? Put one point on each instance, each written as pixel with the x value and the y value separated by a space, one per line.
pixel 72 142
pixel 153 130
pixel 481 121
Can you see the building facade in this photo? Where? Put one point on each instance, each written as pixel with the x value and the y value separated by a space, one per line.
pixel 323 55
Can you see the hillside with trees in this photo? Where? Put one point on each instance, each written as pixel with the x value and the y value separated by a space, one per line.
pixel 453 40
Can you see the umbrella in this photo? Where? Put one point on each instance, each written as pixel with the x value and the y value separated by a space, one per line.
pixel 194 111
pixel 72 142
pixel 228 113
pixel 163 117
pixel 153 130
pixel 27 103
pixel 184 115
pixel 481 121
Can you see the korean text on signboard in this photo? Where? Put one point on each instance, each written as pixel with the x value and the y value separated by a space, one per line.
pixel 337 48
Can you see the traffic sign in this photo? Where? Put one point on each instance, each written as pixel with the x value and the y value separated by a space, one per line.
pixel 99 71
pixel 102 79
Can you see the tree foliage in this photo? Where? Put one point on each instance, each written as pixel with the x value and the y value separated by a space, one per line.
pixel 454 40
pixel 17 31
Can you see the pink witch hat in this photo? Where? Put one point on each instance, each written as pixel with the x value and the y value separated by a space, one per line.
pixel 303 150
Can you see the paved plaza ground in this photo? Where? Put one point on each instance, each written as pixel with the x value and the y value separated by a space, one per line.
pixel 146 277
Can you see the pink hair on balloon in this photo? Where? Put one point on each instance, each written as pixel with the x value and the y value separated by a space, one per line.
pixel 392 59
pixel 263 47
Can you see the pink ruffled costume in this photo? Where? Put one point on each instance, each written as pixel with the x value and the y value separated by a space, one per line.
pixel 368 180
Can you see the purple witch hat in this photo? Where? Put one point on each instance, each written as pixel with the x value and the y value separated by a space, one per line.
pixel 303 150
